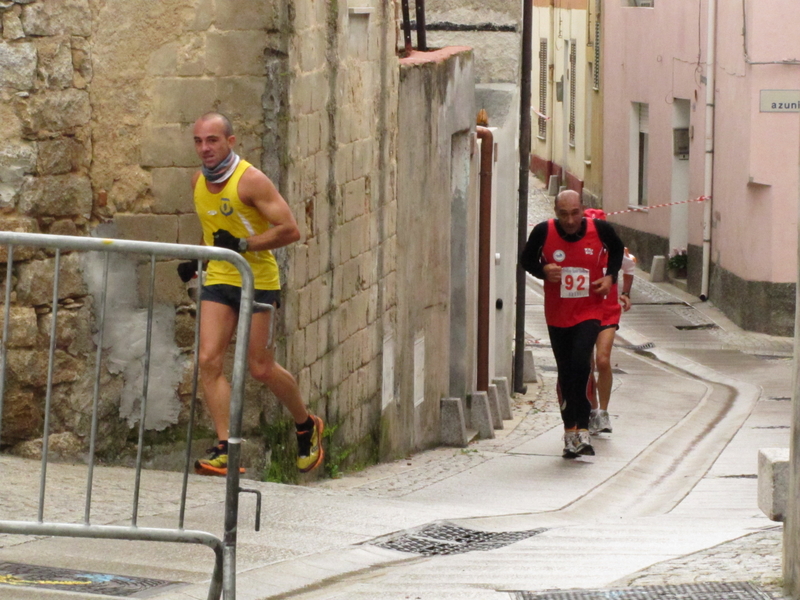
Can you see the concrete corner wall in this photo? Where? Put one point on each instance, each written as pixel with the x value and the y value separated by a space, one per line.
pixel 436 225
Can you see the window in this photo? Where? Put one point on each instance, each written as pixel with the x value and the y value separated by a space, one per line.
pixel 639 3
pixel 596 65
pixel 639 152
pixel 543 88
pixel 588 122
pixel 573 61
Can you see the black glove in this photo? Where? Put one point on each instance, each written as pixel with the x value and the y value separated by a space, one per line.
pixel 187 270
pixel 225 239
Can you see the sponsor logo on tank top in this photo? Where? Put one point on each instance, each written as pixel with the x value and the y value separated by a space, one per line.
pixel 559 255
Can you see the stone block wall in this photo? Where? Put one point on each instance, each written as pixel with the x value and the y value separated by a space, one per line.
pixel 45 186
pixel 98 100
pixel 339 176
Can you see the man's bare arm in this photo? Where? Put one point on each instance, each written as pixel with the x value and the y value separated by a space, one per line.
pixel 256 190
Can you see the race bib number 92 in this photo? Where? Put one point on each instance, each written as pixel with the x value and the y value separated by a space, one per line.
pixel 574 282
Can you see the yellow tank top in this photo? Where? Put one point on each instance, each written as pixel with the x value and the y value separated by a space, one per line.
pixel 225 210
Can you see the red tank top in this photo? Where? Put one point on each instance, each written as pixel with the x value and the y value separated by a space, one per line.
pixel 572 301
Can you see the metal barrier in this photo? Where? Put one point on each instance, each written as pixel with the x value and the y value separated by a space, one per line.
pixel 224 575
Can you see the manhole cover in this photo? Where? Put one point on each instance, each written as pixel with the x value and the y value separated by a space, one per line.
pixel 689 591
pixel 441 539
pixel 68 580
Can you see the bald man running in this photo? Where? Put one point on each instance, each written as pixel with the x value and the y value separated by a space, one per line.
pixel 578 259
pixel 240 209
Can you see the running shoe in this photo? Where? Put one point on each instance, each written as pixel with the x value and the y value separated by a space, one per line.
pixel 570 444
pixel 593 425
pixel 603 422
pixel 309 446
pixel 583 443
pixel 216 464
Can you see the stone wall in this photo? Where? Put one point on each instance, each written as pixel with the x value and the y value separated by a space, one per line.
pixel 99 97
pixel 341 278
pixel 45 154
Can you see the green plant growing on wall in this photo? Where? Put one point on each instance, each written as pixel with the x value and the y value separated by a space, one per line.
pixel 338 456
pixel 279 439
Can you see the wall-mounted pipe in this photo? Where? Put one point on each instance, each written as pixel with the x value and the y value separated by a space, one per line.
pixel 522 199
pixel 422 40
pixel 406 26
pixel 708 183
pixel 484 254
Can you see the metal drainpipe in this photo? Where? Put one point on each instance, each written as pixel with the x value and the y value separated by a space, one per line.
pixel 708 185
pixel 522 197
pixel 406 27
pixel 422 40
pixel 484 254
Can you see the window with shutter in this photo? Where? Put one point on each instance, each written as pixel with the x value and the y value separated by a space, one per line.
pixel 543 88
pixel 596 70
pixel 573 61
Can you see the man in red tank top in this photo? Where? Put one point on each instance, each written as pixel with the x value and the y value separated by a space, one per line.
pixel 570 254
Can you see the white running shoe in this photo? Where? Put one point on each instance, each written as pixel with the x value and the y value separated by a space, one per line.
pixel 570 444
pixel 583 445
pixel 603 422
pixel 593 428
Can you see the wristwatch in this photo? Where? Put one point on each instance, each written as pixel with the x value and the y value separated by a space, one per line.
pixel 242 245
pixel 628 294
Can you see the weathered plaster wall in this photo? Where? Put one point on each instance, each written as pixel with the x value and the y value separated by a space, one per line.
pixel 436 243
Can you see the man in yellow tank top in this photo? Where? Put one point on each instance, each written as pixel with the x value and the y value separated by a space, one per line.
pixel 240 209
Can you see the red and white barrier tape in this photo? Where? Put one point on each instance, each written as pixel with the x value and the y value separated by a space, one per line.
pixel 648 207
pixel 645 208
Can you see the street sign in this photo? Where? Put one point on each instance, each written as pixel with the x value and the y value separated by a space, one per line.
pixel 780 100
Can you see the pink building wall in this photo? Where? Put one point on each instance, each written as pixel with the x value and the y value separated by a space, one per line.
pixel 656 54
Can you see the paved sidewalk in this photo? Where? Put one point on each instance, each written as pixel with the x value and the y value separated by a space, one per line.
pixel 670 498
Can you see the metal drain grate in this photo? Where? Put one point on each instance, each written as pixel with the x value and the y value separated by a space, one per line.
pixel 697 327
pixel 68 580
pixel 442 539
pixel 646 346
pixel 689 591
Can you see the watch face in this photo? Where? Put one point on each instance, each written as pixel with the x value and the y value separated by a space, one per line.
pixel 242 244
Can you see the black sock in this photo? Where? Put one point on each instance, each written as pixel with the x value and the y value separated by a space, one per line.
pixel 309 423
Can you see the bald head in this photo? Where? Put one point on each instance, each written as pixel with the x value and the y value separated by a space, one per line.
pixel 227 126
pixel 569 211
